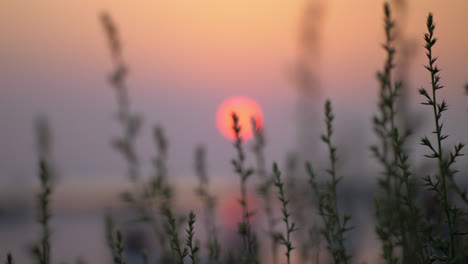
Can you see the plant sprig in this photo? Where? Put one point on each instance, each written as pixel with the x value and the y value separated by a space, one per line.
pixel 178 252
pixel 189 242
pixel 394 204
pixel 118 248
pixel 209 201
pixel 264 189
pixel 444 177
pixel 290 225
pixel 335 226
pixel 157 189
pixel 46 176
pixel 244 174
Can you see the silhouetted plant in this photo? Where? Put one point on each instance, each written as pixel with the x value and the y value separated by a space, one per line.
pixel 157 190
pixel 264 189
pixel 398 218
pixel 413 227
pixel 446 244
pixel 114 240
pixel 131 122
pixel 159 187
pixel 118 248
pixel 209 206
pixel 189 242
pixel 335 225
pixel 387 221
pixel 290 225
pixel 178 252
pixel 316 232
pixel 44 142
pixel 248 255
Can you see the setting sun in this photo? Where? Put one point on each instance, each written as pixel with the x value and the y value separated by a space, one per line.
pixel 246 109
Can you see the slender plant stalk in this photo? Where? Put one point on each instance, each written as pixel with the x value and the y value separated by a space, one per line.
pixel 399 219
pixel 392 218
pixel 244 173
pixel 158 190
pixel 298 197
pixel 316 231
pixel 177 251
pixel 44 142
pixel 189 242
pixel 118 248
pixel 209 205
pixel 159 184
pixel 444 177
pixel 416 228
pixel 43 251
pixel 290 226
pixel 335 226
pixel 131 123
pixel 264 189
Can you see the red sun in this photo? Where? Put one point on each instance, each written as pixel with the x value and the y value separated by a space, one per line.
pixel 246 109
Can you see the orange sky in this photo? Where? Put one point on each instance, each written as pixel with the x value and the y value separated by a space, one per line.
pixel 243 41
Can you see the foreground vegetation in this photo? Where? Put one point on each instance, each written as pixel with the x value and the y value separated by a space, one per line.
pixel 408 232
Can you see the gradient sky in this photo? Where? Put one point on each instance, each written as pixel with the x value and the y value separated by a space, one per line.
pixel 185 57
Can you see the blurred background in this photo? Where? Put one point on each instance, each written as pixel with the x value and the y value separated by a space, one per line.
pixel 185 58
